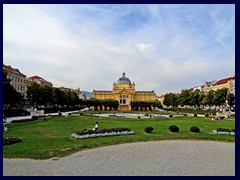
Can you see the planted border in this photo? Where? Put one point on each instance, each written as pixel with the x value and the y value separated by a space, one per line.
pixel 11 140
pixel 224 131
pixel 102 133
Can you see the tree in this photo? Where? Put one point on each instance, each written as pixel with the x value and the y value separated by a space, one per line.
pixel 92 102
pixel 34 94
pixel 210 98
pixel 135 105
pixel 170 99
pixel 202 98
pixel 11 98
pixel 231 99
pixel 111 103
pixel 184 98
pixel 220 97
pixel 195 98
pixel 144 104
pixel 47 95
pixel 154 104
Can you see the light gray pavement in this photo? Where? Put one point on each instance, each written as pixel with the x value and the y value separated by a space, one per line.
pixel 155 158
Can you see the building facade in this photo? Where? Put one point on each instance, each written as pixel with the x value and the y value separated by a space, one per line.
pixel 39 80
pixel 219 84
pixel 77 91
pixel 17 79
pixel 124 92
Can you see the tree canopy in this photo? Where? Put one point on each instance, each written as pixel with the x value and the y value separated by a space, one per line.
pixel 11 98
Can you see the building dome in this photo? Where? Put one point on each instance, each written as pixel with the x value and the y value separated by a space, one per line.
pixel 123 80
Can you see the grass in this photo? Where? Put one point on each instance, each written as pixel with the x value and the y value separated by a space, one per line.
pixel 193 111
pixel 51 138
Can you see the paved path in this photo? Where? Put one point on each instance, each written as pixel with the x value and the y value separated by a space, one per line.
pixel 156 158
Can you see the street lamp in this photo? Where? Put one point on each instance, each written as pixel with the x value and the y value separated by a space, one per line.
pixel 229 102
pixel 31 99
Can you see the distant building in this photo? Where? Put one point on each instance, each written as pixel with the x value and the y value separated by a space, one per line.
pixel 196 87
pixel 214 85
pixel 39 80
pixel 82 95
pixel 66 89
pixel 161 99
pixel 124 92
pixel 219 84
pixel 17 79
pixel 71 90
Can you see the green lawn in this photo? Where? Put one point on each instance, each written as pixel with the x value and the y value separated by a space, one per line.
pixel 51 138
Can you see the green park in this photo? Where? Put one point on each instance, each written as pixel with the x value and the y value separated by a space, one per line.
pixel 50 137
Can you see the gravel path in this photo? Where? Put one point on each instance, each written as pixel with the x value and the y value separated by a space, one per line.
pixel 155 158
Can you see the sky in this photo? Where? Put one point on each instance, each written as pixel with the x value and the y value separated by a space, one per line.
pixel 160 47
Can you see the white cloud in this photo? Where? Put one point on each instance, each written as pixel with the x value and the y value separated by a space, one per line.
pixel 143 47
pixel 89 46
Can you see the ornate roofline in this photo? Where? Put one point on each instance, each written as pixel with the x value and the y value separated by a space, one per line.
pixel 101 91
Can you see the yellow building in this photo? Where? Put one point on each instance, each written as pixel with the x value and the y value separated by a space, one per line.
pixel 124 92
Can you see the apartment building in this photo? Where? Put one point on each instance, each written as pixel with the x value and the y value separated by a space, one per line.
pixel 17 79
pixel 228 82
pixel 39 80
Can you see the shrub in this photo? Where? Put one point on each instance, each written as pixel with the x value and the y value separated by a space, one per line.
pixel 148 129
pixel 15 112
pixel 195 129
pixel 12 140
pixel 35 117
pixel 170 116
pixel 195 115
pixel 173 128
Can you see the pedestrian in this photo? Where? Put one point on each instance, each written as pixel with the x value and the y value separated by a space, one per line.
pixel 96 126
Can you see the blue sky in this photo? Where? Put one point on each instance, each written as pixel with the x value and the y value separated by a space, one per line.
pixel 162 47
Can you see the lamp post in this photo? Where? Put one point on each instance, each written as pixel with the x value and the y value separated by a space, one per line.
pixel 31 99
pixel 229 102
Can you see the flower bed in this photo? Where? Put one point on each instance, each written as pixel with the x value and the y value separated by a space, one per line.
pixel 224 131
pixel 11 140
pixel 102 133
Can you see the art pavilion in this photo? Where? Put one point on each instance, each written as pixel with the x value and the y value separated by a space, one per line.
pixel 124 92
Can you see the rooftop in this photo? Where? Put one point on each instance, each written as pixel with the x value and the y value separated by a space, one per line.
pixel 9 68
pixel 123 80
pixel 39 78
